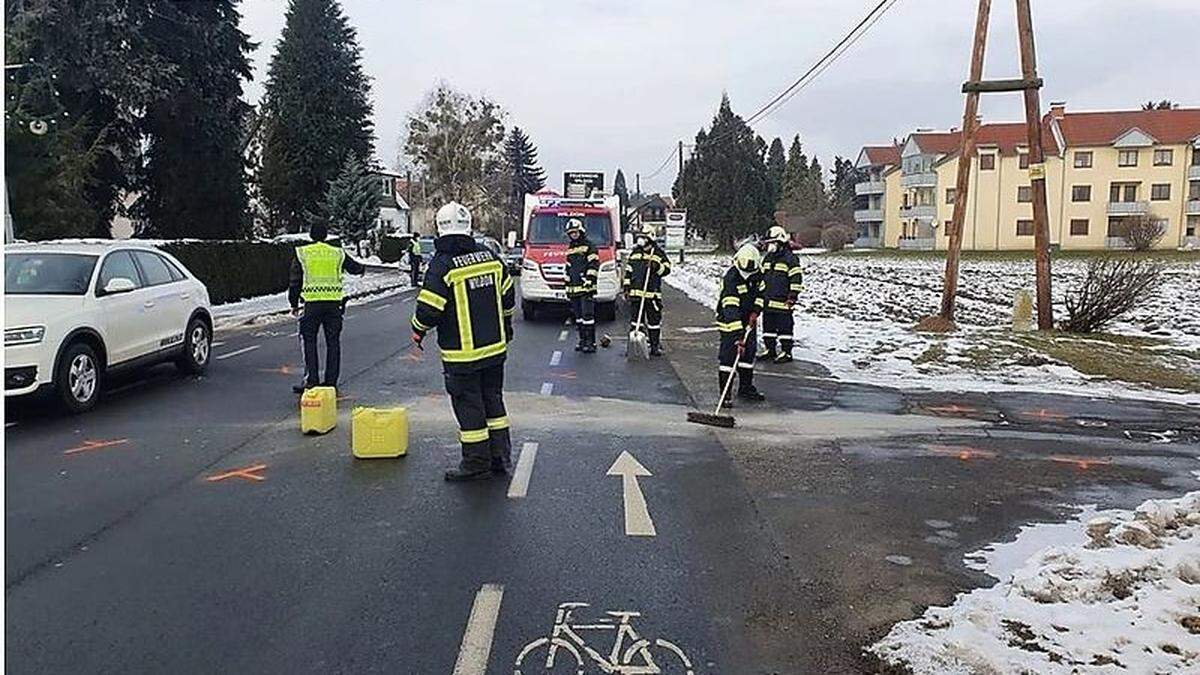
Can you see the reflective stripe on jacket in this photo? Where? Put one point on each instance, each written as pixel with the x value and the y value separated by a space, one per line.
pixel 322 266
pixel 641 262
pixel 583 267
pixel 781 278
pixel 739 298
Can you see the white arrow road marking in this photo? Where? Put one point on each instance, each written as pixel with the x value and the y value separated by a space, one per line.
pixel 555 358
pixel 519 486
pixel 481 628
pixel 232 354
pixel 547 388
pixel 637 516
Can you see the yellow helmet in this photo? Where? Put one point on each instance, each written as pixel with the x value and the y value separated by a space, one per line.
pixel 748 259
pixel 777 233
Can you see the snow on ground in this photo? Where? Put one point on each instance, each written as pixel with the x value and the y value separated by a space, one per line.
pixel 857 312
pixel 1111 591
pixel 273 308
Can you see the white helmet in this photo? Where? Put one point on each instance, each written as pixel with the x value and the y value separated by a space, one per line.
pixel 748 259
pixel 777 233
pixel 453 218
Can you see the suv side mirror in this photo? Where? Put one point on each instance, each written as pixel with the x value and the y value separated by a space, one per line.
pixel 511 238
pixel 119 285
pixel 628 241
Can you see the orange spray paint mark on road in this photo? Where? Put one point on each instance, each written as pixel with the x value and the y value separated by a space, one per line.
pixel 249 473
pixel 1080 461
pixel 568 375
pixel 963 452
pixel 1043 414
pixel 952 409
pixel 281 370
pixel 95 445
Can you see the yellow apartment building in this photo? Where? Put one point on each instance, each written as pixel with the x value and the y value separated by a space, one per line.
pixel 1101 168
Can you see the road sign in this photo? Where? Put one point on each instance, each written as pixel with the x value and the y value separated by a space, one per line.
pixel 581 184
pixel 676 229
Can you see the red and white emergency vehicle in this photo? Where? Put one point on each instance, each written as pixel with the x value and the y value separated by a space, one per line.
pixel 543 269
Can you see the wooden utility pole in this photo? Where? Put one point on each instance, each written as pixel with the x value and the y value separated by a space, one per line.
pixel 680 158
pixel 1029 83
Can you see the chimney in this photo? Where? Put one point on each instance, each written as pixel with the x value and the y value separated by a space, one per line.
pixel 1058 109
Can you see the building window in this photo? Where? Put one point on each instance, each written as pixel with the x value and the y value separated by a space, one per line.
pixel 1195 156
pixel 949 195
pixel 987 162
pixel 1117 228
pixel 1127 158
pixel 1123 192
pixel 385 186
pixel 1083 160
pixel 1193 225
pixel 1194 190
pixel 1081 193
pixel 1164 157
pixel 1079 227
pixel 1024 228
pixel 1024 194
pixel 1023 160
pixel 1160 192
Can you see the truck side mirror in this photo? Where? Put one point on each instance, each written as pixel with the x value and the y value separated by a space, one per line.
pixel 511 239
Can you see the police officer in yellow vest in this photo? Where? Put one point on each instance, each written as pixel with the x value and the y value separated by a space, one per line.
pixel 468 299
pixel 316 278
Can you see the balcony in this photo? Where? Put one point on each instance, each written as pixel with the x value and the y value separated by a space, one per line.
pixel 916 244
pixel 1118 243
pixel 1194 171
pixel 1193 207
pixel 1128 208
pixel 915 180
pixel 923 212
pixel 870 187
pixel 868 215
pixel 867 242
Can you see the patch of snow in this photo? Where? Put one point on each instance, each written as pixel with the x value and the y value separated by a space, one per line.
pixel 266 309
pixel 1112 591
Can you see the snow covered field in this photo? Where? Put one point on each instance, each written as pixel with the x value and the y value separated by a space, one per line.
pixel 857 312
pixel 273 308
pixel 1112 591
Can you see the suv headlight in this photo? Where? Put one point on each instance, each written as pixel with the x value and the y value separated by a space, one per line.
pixel 529 265
pixel 29 335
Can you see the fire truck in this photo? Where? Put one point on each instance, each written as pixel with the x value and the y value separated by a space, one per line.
pixel 543 269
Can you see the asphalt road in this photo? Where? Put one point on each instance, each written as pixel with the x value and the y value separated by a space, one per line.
pixel 134 545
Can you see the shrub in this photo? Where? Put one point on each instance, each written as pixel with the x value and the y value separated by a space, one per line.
pixel 391 249
pixel 835 238
pixel 1143 232
pixel 808 237
pixel 233 270
pixel 1110 288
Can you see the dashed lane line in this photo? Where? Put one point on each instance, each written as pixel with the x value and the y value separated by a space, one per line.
pixel 481 629
pixel 547 388
pixel 237 352
pixel 562 337
pixel 218 343
pixel 519 486
pixel 555 358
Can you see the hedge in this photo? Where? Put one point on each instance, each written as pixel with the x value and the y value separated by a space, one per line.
pixel 233 270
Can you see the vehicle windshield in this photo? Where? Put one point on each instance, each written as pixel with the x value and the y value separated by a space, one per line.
pixel 47 273
pixel 549 228
pixel 427 246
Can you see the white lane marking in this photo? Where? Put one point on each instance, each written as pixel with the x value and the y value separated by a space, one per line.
pixel 481 628
pixel 218 343
pixel 234 353
pixel 547 388
pixel 519 486
pixel 9 424
pixel 698 329
pixel 637 516
pixel 382 307
pixel 562 337
pixel 555 358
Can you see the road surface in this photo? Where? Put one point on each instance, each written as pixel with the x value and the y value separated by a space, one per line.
pixel 187 526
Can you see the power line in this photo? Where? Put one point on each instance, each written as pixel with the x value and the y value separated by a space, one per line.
pixel 666 161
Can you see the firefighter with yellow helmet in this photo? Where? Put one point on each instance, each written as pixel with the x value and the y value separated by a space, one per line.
pixel 468 298
pixel 645 267
pixel 738 306
pixel 782 284
pixel 583 268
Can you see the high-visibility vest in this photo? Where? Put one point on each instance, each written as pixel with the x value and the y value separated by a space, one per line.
pixel 415 246
pixel 322 265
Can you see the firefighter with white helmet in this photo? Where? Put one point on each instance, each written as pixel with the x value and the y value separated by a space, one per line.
pixel 645 267
pixel 738 307
pixel 782 285
pixel 468 299
pixel 583 268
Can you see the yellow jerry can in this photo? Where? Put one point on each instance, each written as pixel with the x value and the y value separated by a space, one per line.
pixel 379 432
pixel 318 410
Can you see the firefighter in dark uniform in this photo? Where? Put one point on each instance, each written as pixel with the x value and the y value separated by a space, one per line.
pixel 738 307
pixel 316 278
pixel 583 267
pixel 782 277
pixel 468 298
pixel 645 267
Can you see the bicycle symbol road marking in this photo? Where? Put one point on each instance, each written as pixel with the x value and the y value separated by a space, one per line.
pixel 630 654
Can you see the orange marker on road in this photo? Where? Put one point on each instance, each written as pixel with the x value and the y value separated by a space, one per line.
pixel 245 473
pixel 95 445
pixel 963 452
pixel 952 409
pixel 1043 414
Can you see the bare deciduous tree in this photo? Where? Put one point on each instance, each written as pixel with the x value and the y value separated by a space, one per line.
pixel 1111 287
pixel 1143 232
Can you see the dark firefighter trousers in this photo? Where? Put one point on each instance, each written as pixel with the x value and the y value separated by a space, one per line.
pixel 778 325
pixel 414 269
pixel 584 309
pixel 651 317
pixel 322 315
pixel 743 368
pixel 477 397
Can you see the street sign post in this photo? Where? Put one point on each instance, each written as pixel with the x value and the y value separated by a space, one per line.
pixel 676 229
pixel 581 184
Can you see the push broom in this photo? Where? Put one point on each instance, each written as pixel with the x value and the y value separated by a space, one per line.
pixel 716 419
pixel 639 342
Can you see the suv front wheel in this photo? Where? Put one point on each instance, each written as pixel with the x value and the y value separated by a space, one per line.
pixel 78 378
pixel 197 347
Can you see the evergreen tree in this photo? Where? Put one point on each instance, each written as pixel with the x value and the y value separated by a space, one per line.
pixel 522 171
pixel 776 167
pixel 193 177
pixel 725 185
pixel 798 194
pixel 351 204
pixel 844 177
pixel 318 110
pixel 621 190
pixel 818 196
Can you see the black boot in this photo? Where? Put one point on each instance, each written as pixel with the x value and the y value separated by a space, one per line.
pixel 746 389
pixel 588 339
pixel 460 475
pixel 722 381
pixel 655 342
pixel 784 357
pixel 768 353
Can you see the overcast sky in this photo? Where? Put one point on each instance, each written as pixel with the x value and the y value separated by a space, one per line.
pixel 602 84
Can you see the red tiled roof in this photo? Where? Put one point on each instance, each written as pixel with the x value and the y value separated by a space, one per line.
pixel 940 142
pixel 1006 136
pixel 1102 128
pixel 882 154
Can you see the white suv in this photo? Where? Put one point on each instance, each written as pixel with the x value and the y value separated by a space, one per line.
pixel 74 311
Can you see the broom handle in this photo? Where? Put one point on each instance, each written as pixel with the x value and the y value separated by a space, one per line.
pixel 736 360
pixel 642 305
